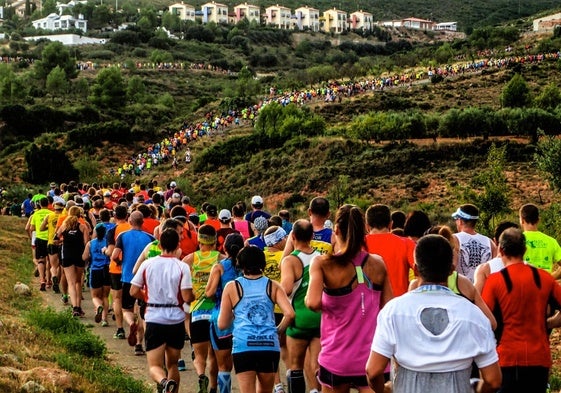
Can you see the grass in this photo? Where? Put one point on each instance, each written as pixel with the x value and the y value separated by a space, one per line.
pixel 33 336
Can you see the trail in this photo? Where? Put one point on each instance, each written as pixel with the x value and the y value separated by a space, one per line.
pixel 120 353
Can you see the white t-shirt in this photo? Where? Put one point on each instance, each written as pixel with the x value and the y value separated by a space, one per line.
pixel 164 278
pixel 462 333
pixel 474 250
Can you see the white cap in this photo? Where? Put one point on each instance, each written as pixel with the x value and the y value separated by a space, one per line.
pixel 176 195
pixel 173 184
pixel 256 200
pixel 224 215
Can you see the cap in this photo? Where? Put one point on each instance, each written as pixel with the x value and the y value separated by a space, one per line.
pixel 224 215
pixel 260 224
pixel 53 184
pixel 257 200
pixel 107 194
pixel 176 195
pixel 328 224
pixel 173 184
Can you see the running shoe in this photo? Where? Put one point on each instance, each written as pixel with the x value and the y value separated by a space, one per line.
pixel 120 334
pixel 104 323
pixel 279 388
pixel 64 299
pixel 181 366
pixel 43 287
pixel 132 334
pixel 203 384
pixel 56 287
pixel 98 313
pixel 169 386
pixel 138 350
pixel 76 312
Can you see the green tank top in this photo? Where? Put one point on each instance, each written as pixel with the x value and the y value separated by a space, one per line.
pixel 203 262
pixel 305 318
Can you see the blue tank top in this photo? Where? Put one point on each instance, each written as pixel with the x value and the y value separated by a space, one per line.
pixel 230 273
pixel 99 259
pixel 321 241
pixel 254 318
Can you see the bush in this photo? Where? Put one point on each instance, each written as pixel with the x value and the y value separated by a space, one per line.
pixel 115 131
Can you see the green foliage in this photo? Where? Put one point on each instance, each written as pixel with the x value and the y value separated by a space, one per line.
pixel 57 84
pixel 136 91
pixel 114 131
pixel 289 121
pixel 108 90
pixel 549 98
pixel 88 169
pixel 32 121
pixel 160 56
pixel 492 37
pixel 12 87
pixel 48 163
pixel 494 199
pixel 516 93
pixel 126 37
pixel 548 160
pixel 53 55
pixel 531 121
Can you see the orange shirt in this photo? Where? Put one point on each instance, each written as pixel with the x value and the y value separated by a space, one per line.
pixel 120 228
pixel 398 255
pixel 149 225
pixel 189 242
pixel 213 222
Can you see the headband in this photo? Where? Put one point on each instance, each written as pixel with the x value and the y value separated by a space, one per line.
pixel 206 239
pixel 463 215
pixel 273 238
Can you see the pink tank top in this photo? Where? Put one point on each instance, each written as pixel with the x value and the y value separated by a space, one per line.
pixel 243 228
pixel 348 322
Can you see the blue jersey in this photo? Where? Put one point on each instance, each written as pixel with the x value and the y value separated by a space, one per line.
pixel 132 243
pixel 99 259
pixel 257 241
pixel 254 318
pixel 321 242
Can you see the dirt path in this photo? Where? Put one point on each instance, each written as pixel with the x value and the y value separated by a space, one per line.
pixel 120 353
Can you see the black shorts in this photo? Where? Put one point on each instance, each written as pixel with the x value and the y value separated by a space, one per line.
pixel 127 300
pixel 327 378
pixel 157 334
pixel 199 331
pixel 78 262
pixel 100 278
pixel 219 343
pixel 40 248
pixel 53 249
pixel 258 361
pixel 116 283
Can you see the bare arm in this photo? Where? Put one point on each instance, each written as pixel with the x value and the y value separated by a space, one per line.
pixel 491 379
pixel 480 276
pixel 288 248
pixel 375 367
pixel 187 295
pixel 85 232
pixel 86 254
pixel 44 224
pixel 288 274
pixel 468 289
pixel 315 287
pixel 226 316
pixel 279 296
pixel 213 280
pixel 141 258
pixel 189 260
pixel 137 292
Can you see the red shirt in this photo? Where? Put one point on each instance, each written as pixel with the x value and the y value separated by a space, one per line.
pixel 397 253
pixel 524 340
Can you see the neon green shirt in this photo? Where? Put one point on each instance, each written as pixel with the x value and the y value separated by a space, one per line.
pixel 542 251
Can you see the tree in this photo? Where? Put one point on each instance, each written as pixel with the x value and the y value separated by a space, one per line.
pixel 171 21
pixel 55 54
pixel 161 56
pixel 108 90
pixel 47 162
pixel 548 160
pixel 516 93
pixel 136 91
pixel 57 84
pixel 550 98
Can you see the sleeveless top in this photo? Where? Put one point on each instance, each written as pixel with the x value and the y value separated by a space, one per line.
pixel 272 268
pixel 254 319
pixel 73 244
pixel 229 273
pixel 304 317
pixel 474 250
pixel 99 259
pixel 321 242
pixel 243 228
pixel 203 261
pixel 496 265
pixel 348 322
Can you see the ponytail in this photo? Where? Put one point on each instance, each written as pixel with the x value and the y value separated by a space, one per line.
pixel 351 226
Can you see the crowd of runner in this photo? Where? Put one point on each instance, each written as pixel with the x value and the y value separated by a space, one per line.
pixel 371 300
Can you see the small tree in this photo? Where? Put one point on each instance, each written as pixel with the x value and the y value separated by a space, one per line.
pixel 516 93
pixel 57 84
pixel 108 89
pixel 53 55
pixel 549 99
pixel 548 160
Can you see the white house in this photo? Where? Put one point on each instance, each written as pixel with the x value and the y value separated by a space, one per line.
pixel 248 11
pixel 184 11
pixel 547 23
pixel 447 26
pixel 61 22
pixel 334 21
pixel 307 18
pixel 68 39
pixel 215 12
pixel 361 20
pixel 419 24
pixel 278 16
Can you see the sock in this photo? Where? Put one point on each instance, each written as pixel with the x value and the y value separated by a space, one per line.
pixel 224 382
pixel 295 381
pixel 314 391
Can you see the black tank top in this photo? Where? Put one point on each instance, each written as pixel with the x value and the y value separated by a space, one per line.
pixel 73 244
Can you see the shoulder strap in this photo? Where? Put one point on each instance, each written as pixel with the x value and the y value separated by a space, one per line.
pixel 507 279
pixel 269 288
pixel 536 274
